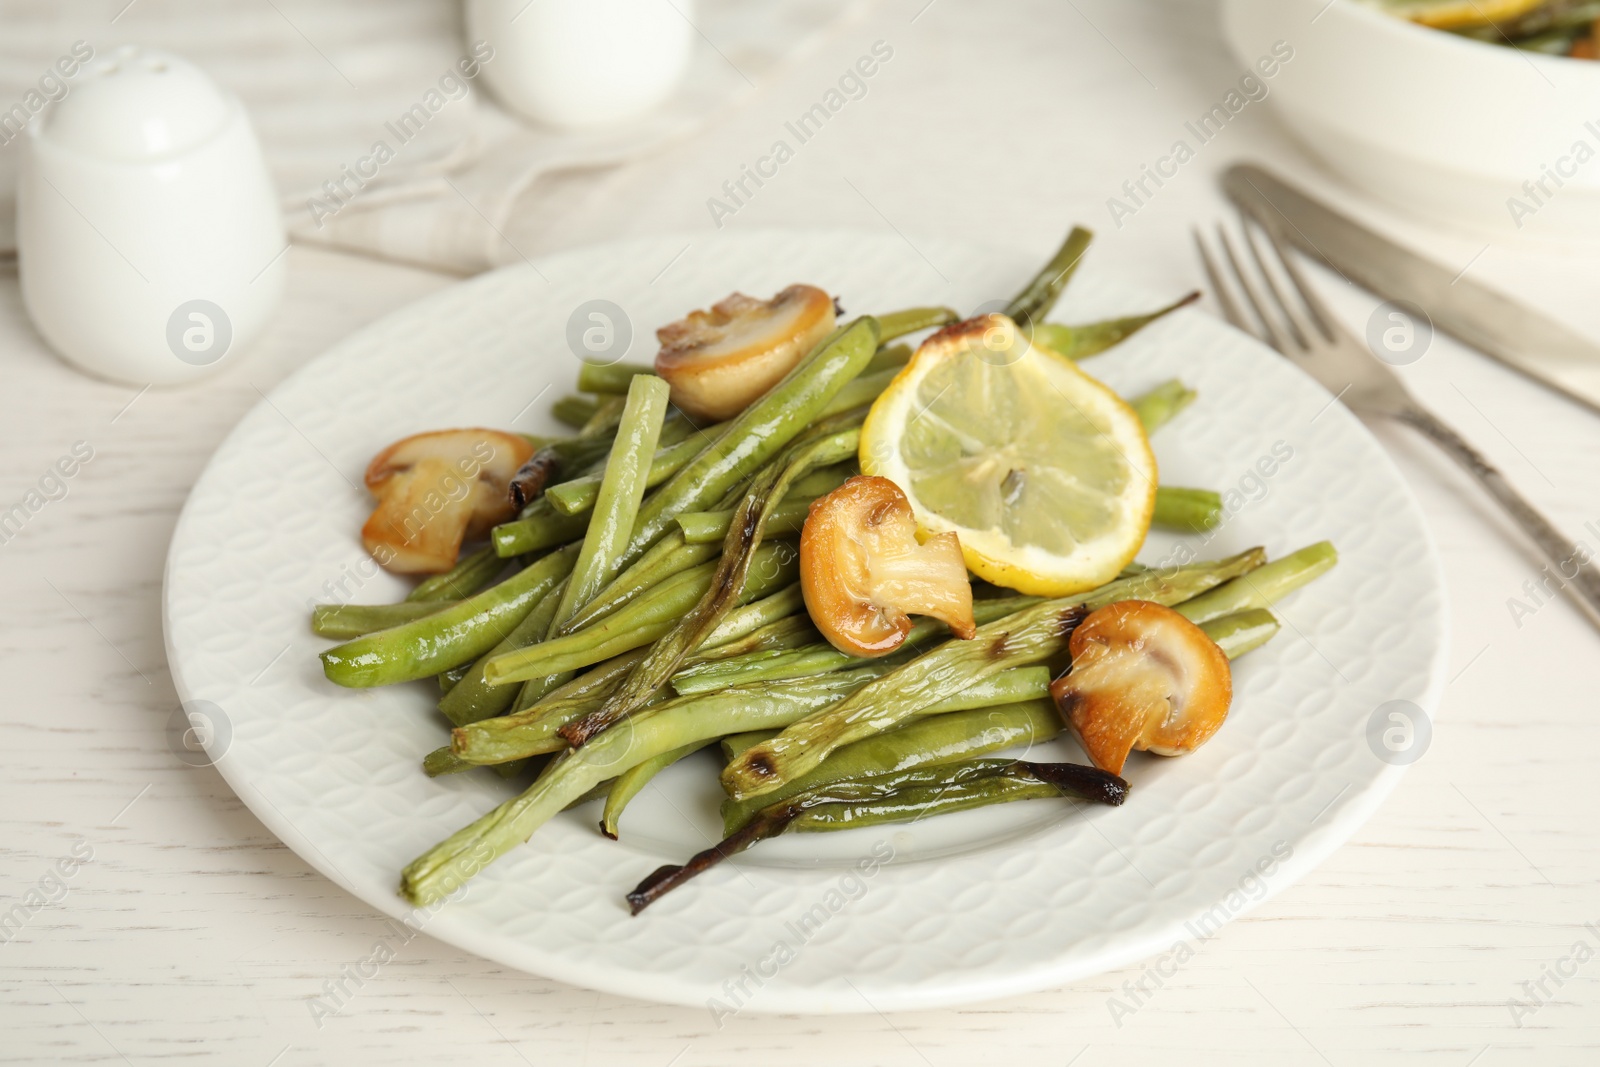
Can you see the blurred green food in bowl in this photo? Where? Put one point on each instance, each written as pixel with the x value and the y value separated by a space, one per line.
pixel 1553 27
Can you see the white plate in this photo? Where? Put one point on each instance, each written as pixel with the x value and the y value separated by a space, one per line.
pixel 971 906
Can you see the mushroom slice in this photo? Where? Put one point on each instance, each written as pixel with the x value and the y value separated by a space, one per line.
pixel 436 490
pixel 1143 677
pixel 718 361
pixel 863 573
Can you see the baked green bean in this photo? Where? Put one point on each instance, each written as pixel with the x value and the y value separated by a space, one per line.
pixel 663 728
pixel 1190 510
pixel 652 731
pixel 1161 405
pixel 575 411
pixel 1036 299
pixel 609 377
pixel 641 621
pixel 540 527
pixel 473 698
pixel 896 797
pixel 1091 339
pixel 822 446
pixel 534 729
pixel 1029 636
pixel 470 575
pixel 344 621
pixel 621 491
pixel 628 784
pixel 924 742
pixel 703 527
pixel 1243 631
pixel 820 658
pixel 578 495
pixel 1262 587
pixel 889 357
pixel 458 634
pixel 911 320
pixel 759 432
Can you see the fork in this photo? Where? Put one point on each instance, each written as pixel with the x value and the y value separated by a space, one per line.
pixel 1308 334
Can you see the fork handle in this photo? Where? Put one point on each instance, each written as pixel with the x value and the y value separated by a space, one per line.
pixel 1572 564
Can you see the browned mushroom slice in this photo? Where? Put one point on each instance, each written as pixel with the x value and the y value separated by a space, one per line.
pixel 436 490
pixel 863 573
pixel 1143 677
pixel 718 361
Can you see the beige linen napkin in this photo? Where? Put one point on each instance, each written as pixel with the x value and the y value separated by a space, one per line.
pixel 326 82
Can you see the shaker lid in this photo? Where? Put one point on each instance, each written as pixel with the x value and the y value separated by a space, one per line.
pixel 137 104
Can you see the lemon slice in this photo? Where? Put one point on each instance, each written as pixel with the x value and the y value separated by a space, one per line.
pixel 1044 474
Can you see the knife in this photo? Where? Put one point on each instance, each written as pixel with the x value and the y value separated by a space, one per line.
pixel 1512 333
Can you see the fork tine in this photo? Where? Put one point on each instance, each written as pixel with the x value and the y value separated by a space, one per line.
pixel 1278 339
pixel 1299 324
pixel 1219 288
pixel 1320 313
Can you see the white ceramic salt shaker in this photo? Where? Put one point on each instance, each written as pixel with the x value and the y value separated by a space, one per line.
pixel 148 229
pixel 580 63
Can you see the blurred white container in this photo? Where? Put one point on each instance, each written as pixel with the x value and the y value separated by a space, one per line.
pixel 1453 129
pixel 148 229
pixel 581 63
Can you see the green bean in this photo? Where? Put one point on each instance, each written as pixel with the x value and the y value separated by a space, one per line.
pixel 621 491
pixel 1161 405
pixel 470 575
pixel 759 432
pixel 823 445
pixel 911 320
pixel 653 731
pixel 734 744
pixel 539 528
pixel 575 411
pixel 1243 631
pixel 578 495
pixel 459 634
pixel 702 527
pixel 761 624
pixel 667 557
pixel 1191 510
pixel 1036 299
pixel 1029 636
pixel 1262 587
pixel 532 730
pixel 473 698
pixel 440 870
pixel 442 761
pixel 1091 339
pixel 451 678
pixel 896 797
pixel 629 783
pixel 924 742
pixel 344 621
pixel 889 357
pixel 607 416
pixel 609 377
pixel 637 623
pixel 822 657
pixel 859 393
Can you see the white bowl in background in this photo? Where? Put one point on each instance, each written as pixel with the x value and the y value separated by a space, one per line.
pixel 1440 125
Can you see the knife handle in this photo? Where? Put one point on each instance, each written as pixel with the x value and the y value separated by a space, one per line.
pixel 1572 565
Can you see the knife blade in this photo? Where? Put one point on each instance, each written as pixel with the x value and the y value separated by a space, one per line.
pixel 1527 341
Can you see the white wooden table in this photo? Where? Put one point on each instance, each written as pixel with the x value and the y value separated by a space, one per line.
pixel 191 934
